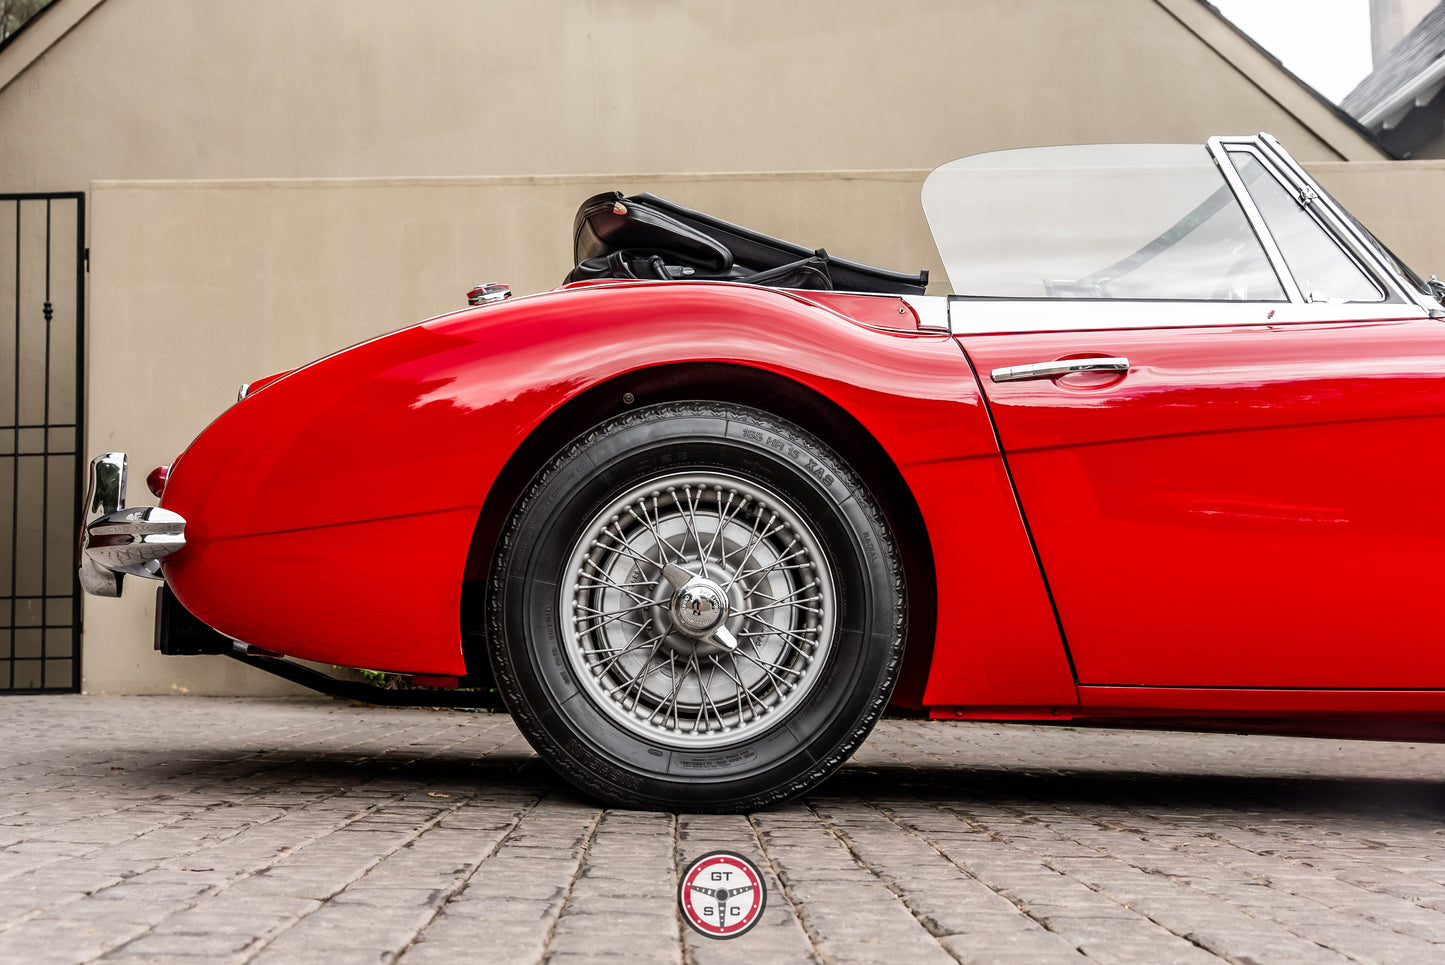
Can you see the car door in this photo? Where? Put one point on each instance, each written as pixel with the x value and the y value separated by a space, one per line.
pixel 1253 505
pixel 1233 493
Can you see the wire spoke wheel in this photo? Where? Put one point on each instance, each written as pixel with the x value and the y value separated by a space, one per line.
pixel 696 606
pixel 755 567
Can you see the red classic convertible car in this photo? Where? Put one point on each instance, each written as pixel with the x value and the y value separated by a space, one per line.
pixel 1171 450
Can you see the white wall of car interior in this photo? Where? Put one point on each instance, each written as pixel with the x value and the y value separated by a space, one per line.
pixel 335 170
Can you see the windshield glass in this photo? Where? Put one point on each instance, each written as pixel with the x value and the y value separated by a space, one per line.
pixel 1102 221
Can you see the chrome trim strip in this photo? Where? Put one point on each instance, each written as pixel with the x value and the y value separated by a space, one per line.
pixel 932 311
pixel 1217 147
pixel 1054 370
pixel 1008 316
pixel 116 540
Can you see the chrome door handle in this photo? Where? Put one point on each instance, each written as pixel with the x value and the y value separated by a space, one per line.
pixel 1052 370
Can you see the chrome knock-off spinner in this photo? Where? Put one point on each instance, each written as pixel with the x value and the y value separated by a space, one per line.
pixel 699 607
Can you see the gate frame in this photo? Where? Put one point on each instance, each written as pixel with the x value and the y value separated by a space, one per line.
pixel 82 268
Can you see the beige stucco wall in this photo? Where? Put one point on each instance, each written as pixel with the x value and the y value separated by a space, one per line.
pixel 363 88
pixel 1402 202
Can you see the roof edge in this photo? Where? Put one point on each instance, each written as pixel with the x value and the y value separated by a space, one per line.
pixel 7 41
pixel 39 34
pixel 1339 131
pixel 1402 96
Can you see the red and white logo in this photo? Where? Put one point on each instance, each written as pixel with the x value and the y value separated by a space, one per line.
pixel 721 895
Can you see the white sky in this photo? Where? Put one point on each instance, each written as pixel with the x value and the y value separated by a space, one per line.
pixel 1326 43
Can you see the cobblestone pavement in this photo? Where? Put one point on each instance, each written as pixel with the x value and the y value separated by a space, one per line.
pixel 177 829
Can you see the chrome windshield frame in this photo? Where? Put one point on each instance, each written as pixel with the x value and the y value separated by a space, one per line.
pixel 1350 226
pixel 1218 150
pixel 1321 206
pixel 1307 197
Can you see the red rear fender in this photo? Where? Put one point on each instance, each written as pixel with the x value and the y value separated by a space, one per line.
pixel 330 463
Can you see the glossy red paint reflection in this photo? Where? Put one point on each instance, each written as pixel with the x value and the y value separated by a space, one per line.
pixel 351 486
pixel 1246 522
pixel 1248 507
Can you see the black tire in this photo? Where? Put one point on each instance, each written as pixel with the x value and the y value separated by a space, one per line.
pixel 678 721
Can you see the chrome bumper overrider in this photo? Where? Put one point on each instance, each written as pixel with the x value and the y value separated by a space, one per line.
pixel 115 540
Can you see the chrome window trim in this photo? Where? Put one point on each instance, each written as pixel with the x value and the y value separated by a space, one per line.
pixel 1332 216
pixel 1347 225
pixel 1309 201
pixel 979 315
pixel 1217 147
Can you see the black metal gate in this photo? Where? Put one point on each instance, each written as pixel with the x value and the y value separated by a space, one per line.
pixel 42 357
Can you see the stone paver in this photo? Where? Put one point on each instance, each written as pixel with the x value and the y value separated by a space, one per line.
pixel 286 832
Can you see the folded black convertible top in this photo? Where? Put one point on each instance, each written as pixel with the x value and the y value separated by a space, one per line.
pixel 644 236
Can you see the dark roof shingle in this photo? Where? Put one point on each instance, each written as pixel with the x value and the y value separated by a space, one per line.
pixel 1409 58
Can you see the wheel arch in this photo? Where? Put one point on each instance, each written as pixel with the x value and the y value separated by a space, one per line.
pixel 718 382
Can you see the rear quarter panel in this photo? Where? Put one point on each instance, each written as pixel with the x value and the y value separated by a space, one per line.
pixel 330 512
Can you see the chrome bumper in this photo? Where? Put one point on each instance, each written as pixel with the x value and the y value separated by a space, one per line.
pixel 115 540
